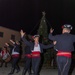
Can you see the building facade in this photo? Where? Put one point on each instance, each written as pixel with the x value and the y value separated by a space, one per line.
pixel 6 34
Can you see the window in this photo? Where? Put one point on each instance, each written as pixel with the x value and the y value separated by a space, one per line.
pixel 1 34
pixel 12 37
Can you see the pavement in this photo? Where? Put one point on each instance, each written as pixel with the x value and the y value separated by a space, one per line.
pixel 44 71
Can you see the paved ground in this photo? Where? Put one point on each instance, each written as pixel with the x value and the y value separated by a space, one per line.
pixel 5 71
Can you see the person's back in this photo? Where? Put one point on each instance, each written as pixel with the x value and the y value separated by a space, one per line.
pixel 65 42
pixel 64 47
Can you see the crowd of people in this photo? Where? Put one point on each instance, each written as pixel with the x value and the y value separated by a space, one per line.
pixel 62 43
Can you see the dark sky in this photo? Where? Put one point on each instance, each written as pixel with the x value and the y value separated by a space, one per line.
pixel 26 14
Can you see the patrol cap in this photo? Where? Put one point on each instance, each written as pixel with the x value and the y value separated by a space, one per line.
pixel 67 26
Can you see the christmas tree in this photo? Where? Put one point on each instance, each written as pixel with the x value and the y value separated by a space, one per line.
pixel 42 31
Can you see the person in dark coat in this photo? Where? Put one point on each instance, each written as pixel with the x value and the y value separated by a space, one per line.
pixel 27 59
pixel 15 54
pixel 64 47
pixel 36 49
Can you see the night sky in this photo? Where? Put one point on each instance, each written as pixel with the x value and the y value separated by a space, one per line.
pixel 26 14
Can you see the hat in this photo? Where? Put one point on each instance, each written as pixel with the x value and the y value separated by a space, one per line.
pixel 67 26
pixel 36 36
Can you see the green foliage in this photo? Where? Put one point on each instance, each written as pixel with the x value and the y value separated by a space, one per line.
pixel 42 31
pixel 43 27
